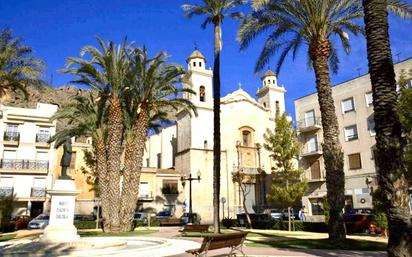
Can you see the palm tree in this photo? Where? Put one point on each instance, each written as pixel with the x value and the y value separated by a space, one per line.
pixel 215 11
pixel 106 72
pixel 389 141
pixel 86 116
pixel 18 66
pixel 152 93
pixel 313 23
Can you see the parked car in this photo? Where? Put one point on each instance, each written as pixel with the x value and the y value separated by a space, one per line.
pixel 276 214
pixel 184 219
pixel 360 223
pixel 84 217
pixel 163 215
pixel 293 214
pixel 39 222
pixel 254 217
pixel 140 216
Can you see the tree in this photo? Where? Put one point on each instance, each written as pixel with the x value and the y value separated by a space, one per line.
pixel 242 179
pixel 19 68
pixel 215 11
pixel 314 23
pixel 288 187
pixel 405 116
pixel 389 141
pixel 144 88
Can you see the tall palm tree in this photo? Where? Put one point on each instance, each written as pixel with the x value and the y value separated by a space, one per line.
pixel 18 66
pixel 151 94
pixel 87 116
pixel 106 71
pixel 389 140
pixel 314 23
pixel 215 11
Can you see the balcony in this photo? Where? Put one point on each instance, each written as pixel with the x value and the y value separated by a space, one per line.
pixel 42 140
pixel 311 150
pixel 309 124
pixel 24 166
pixel 38 192
pixel 6 191
pixel 145 196
pixel 11 138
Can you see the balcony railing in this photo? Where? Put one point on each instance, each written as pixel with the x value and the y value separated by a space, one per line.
pixel 6 191
pixel 42 138
pixel 11 136
pixel 309 124
pixel 311 149
pixel 38 192
pixel 14 164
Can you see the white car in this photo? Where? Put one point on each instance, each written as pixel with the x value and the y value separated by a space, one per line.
pixel 40 222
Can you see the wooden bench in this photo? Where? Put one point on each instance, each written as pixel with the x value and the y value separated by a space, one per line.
pixel 195 228
pixel 234 241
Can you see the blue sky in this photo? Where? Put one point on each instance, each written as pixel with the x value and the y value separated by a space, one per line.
pixel 58 29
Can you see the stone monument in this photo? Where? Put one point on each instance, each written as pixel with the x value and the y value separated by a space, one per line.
pixel 63 197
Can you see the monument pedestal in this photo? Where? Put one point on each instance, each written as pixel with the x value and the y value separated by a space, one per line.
pixel 63 198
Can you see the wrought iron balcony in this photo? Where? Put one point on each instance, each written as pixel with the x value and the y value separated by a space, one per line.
pixel 310 124
pixel 6 191
pixel 42 138
pixel 14 164
pixel 146 196
pixel 11 136
pixel 38 192
pixel 311 149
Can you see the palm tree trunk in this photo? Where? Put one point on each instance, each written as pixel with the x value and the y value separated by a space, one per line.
pixel 114 143
pixel 389 141
pixel 132 169
pixel 332 150
pixel 103 182
pixel 216 124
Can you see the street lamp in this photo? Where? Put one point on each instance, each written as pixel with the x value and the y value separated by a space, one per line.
pixel 190 179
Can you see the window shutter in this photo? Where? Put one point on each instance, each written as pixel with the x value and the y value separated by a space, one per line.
pixel 355 161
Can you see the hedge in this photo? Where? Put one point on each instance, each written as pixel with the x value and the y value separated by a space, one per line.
pixel 296 226
pixel 86 224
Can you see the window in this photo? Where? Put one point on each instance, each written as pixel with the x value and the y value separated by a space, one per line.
pixel 159 160
pixel 194 64
pixel 200 64
pixel 351 133
pixel 277 107
pixel 264 104
pixel 312 144
pixel 43 135
pixel 205 144
pixel 371 126
pixel 246 138
pixel 202 93
pixel 369 99
pixel 9 157
pixel 11 133
pixel 355 161
pixel 315 170
pixel 144 190
pixel 73 161
pixel 348 105
pixel 147 162
pixel 310 118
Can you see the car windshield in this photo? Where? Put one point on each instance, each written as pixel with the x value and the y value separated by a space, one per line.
pixel 137 215
pixel 163 213
pixel 42 217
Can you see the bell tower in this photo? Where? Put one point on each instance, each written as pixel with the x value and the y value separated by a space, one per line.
pixel 270 95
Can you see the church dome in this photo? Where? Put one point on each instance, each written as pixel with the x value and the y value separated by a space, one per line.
pixel 269 73
pixel 195 54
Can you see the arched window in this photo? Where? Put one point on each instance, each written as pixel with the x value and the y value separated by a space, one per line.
pixel 264 104
pixel 200 64
pixel 205 144
pixel 246 136
pixel 202 93
pixel 274 82
pixel 194 64
pixel 268 81
pixel 277 106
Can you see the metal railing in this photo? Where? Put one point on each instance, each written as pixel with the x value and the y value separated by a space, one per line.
pixel 11 136
pixel 311 148
pixel 42 138
pixel 24 164
pixel 38 192
pixel 6 191
pixel 309 122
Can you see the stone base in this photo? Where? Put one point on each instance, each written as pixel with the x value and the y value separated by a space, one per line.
pixel 60 233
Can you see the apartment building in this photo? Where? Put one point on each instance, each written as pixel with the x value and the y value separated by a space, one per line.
pixel 26 156
pixel 354 110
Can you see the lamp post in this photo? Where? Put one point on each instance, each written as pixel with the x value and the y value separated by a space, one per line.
pixel 190 179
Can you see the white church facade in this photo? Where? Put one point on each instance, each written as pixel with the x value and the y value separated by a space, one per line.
pixel 187 146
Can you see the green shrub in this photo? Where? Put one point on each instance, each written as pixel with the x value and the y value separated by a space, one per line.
pixel 86 224
pixel 229 222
